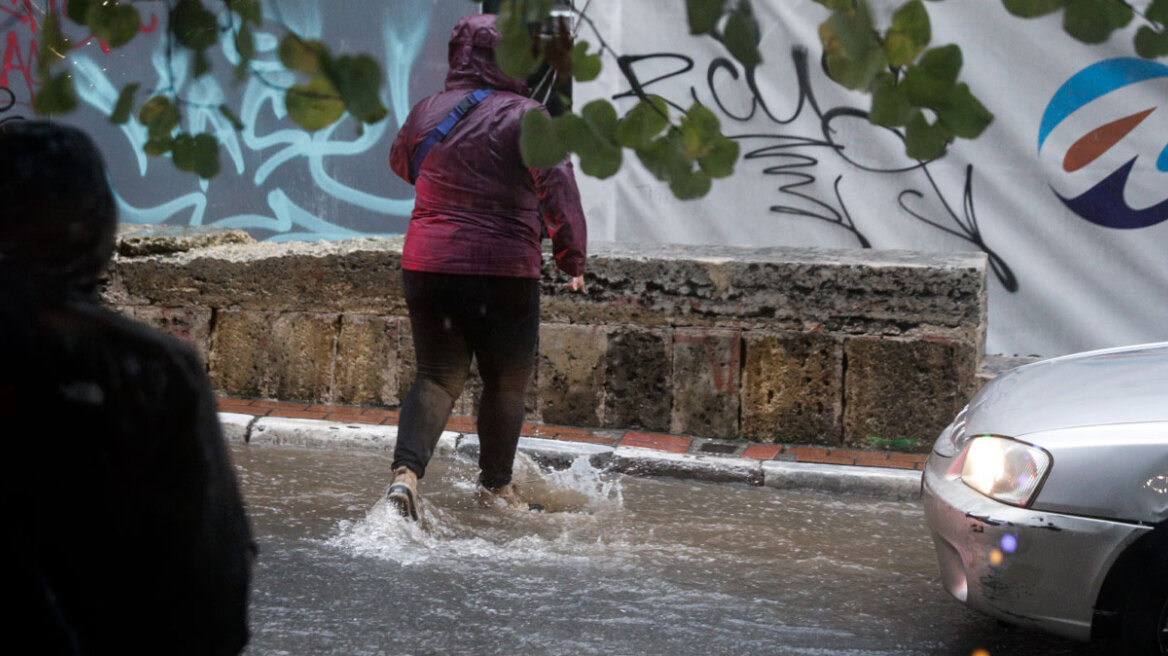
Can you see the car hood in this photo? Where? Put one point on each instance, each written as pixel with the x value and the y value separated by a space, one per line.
pixel 1124 385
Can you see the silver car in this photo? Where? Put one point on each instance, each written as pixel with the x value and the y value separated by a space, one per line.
pixel 1047 497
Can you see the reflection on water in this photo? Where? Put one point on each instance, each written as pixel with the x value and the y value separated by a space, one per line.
pixel 618 565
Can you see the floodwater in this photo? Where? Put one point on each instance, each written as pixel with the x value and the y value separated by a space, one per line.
pixel 617 565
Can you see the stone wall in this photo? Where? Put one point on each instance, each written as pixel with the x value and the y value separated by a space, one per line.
pixel 794 345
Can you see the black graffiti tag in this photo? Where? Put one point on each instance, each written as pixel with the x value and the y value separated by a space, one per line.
pixel 793 157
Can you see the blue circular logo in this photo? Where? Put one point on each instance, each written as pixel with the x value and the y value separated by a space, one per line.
pixel 1101 142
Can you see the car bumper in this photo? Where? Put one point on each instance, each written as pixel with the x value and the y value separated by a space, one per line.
pixel 1025 567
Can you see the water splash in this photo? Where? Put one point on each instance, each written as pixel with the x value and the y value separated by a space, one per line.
pixel 579 503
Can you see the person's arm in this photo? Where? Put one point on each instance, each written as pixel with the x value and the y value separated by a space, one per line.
pixel 564 217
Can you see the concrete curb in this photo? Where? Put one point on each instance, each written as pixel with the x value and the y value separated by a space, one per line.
pixel 866 481
pixel 876 482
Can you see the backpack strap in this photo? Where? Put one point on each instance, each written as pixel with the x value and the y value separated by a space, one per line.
pixel 439 133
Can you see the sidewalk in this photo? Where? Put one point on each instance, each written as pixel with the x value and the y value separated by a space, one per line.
pixel 869 473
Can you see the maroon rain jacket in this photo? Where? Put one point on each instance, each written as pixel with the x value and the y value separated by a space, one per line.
pixel 478 206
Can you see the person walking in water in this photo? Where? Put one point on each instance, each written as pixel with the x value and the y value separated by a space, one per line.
pixel 472 259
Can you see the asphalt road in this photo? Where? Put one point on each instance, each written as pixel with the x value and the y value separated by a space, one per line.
pixel 620 565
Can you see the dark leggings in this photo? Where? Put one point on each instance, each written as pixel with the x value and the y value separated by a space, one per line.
pixel 454 317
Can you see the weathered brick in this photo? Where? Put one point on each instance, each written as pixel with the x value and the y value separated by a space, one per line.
pixel 367 371
pixel 571 373
pixel 273 355
pixel 762 451
pixel 904 390
pixel 792 388
pixel 191 325
pixel 239 354
pixel 638 387
pixel 706 370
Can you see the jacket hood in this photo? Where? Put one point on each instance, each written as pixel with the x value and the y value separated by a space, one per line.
pixel 472 57
pixel 58 218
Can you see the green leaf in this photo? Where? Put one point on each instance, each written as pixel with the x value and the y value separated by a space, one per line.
pixel 226 113
pixel 114 23
pixel 924 141
pixel 703 15
pixel 160 116
pixel 1033 8
pixel 531 12
pixel 665 157
pixel 245 42
pixel 964 114
pixel 538 142
pixel 930 81
pixel 314 105
pixel 296 54
pixel 890 106
pixel 602 161
pixel 943 63
pixel 158 145
pixel 245 46
pixel 57 95
pixel 599 156
pixel 201 65
pixel 516 52
pixel 1093 21
pixel 193 25
pixel 125 104
pixel 601 118
pixel 643 122
pixel 1151 44
pixel 357 78
pixel 909 34
pixel 1157 12
pixel 198 154
pixel 585 67
pixel 852 52
pixel 78 11
pixel 53 46
pixel 719 161
pixel 741 36
pixel 699 127
pixel 573 132
pixel 250 11
pixel 690 186
pixel 592 137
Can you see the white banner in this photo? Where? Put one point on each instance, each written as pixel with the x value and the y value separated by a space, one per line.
pixel 1066 192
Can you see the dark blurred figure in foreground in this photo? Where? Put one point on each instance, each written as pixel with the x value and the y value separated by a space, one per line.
pixel 125 528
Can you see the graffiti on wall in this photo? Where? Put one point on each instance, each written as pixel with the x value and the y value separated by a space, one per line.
pixel 792 159
pixel 278 181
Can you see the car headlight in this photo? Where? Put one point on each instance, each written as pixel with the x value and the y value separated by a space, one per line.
pixel 1003 469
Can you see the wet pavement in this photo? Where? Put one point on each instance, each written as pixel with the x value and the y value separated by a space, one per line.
pixel 624 565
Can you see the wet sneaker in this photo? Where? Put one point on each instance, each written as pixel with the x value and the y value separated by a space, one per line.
pixel 507 495
pixel 403 492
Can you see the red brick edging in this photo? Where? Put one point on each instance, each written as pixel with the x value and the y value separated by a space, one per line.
pixel 631 438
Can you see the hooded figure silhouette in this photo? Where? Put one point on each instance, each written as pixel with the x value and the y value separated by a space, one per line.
pixel 126 531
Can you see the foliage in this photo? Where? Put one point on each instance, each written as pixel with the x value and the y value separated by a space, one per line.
pixel 686 151
pixel 336 86
pixel 914 85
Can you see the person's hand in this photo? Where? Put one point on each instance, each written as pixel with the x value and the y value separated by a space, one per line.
pixel 576 284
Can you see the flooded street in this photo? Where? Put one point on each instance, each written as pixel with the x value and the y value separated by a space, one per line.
pixel 618 565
